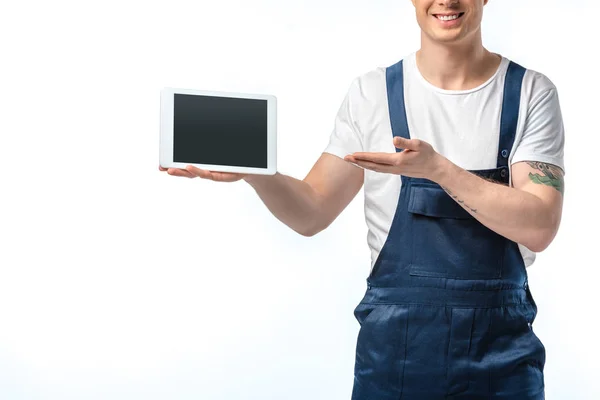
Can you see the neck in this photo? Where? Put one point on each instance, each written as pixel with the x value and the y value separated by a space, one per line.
pixel 460 66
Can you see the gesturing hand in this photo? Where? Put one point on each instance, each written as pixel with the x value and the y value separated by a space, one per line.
pixel 417 160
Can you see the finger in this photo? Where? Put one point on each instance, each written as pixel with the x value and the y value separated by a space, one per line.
pixel 180 172
pixel 379 158
pixel 202 173
pixel 403 143
pixel 176 172
pixel 351 160
pixel 384 168
pixel 225 176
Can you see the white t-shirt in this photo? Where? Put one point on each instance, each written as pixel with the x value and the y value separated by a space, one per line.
pixel 462 125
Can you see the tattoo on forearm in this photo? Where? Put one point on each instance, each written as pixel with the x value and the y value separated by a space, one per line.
pixel 461 202
pixel 551 175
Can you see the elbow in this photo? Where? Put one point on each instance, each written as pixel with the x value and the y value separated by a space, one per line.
pixel 313 228
pixel 309 232
pixel 540 240
pixel 537 247
pixel 306 232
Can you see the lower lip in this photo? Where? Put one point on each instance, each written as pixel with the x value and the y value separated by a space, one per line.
pixel 450 23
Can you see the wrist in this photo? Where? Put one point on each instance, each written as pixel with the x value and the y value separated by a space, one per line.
pixel 441 171
pixel 250 178
pixel 255 178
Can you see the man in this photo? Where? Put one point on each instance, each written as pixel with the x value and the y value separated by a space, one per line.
pixel 461 155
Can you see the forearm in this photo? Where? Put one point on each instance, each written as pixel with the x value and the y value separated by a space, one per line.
pixel 292 201
pixel 515 214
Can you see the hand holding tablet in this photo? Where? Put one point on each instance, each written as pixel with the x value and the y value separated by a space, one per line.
pixel 217 135
pixel 192 172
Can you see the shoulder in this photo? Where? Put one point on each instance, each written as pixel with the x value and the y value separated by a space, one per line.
pixel 370 85
pixel 538 81
pixel 537 86
pixel 541 136
pixel 367 94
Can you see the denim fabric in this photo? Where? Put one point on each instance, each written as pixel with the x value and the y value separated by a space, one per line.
pixel 447 312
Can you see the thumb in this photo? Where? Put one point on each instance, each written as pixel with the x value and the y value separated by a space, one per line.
pixel 403 143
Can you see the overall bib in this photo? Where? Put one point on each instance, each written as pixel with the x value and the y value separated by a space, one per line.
pixel 447 312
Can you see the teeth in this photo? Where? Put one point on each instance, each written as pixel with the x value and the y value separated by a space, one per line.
pixel 447 17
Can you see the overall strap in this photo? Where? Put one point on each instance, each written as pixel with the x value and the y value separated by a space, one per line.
pixel 510 113
pixel 508 121
pixel 395 91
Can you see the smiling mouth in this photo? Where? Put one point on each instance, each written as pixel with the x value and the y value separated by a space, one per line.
pixel 448 17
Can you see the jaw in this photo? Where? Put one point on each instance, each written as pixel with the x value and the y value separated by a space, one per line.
pixel 449 25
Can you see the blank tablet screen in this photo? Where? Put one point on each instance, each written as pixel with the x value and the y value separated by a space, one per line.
pixel 219 131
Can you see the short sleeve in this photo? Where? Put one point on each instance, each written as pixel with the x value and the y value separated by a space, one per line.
pixel 346 137
pixel 543 137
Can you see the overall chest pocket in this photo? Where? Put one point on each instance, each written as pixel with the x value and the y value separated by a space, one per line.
pixel 448 242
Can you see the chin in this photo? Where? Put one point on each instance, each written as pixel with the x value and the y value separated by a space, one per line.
pixel 446 38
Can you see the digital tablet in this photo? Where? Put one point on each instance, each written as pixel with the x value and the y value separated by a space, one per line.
pixel 218 131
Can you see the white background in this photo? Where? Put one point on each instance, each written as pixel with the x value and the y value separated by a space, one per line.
pixel 118 281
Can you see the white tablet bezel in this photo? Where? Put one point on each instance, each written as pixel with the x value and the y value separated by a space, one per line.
pixel 166 131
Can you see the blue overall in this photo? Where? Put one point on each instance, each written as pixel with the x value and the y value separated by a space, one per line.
pixel 447 312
